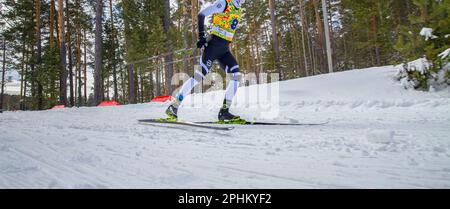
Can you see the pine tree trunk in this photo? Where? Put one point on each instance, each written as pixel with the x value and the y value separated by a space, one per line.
pixel 158 81
pixel 151 85
pixel 276 44
pixel 141 82
pixel 344 42
pixel 194 5
pixel 327 37
pixel 376 48
pixel 116 91
pixel 252 50
pixel 303 22
pixel 98 83
pixel 236 54
pixel 69 48
pixel 185 35
pixel 106 87
pixel 309 44
pixel 52 24
pixel 40 99
pixel 296 50
pixel 33 75
pixel 132 86
pixel 313 56
pixel 85 69
pixel 319 25
pixel 62 47
pixel 3 76
pixel 247 59
pixel 258 69
pixel 25 79
pixel 130 67
pixel 168 44
pixel 122 83
pixel 136 84
pixel 22 77
pixel 76 85
pixel 78 55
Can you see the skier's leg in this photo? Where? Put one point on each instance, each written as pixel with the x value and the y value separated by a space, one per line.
pixel 211 53
pixel 229 64
pixel 206 60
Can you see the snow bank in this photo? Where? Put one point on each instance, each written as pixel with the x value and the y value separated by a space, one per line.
pixel 419 74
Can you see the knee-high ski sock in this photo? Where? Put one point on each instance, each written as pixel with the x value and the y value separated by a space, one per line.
pixel 186 89
pixel 231 92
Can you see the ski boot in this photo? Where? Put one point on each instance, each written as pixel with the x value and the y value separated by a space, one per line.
pixel 172 113
pixel 172 110
pixel 225 117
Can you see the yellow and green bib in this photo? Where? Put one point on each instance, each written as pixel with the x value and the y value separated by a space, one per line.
pixel 225 24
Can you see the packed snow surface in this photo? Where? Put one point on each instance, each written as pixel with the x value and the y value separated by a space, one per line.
pixel 379 136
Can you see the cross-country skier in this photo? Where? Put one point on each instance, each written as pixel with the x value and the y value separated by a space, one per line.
pixel 226 17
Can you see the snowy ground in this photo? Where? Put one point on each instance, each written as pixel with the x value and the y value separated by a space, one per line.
pixel 379 136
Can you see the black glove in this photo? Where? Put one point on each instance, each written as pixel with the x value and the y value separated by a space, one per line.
pixel 201 40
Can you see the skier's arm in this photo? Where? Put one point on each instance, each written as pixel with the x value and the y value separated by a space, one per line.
pixel 217 7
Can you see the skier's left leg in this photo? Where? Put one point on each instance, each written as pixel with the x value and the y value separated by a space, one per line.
pixel 231 67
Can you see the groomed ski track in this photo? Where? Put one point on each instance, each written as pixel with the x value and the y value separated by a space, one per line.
pixel 379 136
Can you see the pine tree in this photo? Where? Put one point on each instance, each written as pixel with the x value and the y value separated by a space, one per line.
pixel 168 45
pixel 62 48
pixel 276 46
pixel 98 81
pixel 2 86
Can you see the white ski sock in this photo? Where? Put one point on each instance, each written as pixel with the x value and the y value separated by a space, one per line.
pixel 231 91
pixel 186 88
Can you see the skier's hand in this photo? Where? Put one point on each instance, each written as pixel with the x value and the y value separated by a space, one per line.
pixel 201 40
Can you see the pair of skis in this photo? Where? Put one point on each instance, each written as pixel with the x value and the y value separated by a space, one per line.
pixel 220 126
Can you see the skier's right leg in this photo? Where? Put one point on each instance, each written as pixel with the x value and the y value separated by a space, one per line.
pixel 172 110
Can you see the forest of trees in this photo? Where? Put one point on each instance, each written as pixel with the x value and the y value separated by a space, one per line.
pixel 131 48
